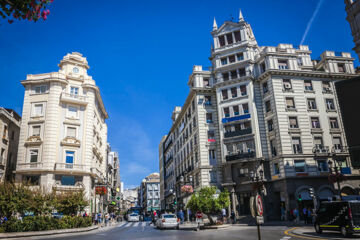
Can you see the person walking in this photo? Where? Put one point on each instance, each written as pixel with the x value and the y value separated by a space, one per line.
pixel 304 213
pixel 282 209
pixel 96 218
pixel 309 215
pixel 233 217
pixel 181 215
pixel 223 214
pixel 296 215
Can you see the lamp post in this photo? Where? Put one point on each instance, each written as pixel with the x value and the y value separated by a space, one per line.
pixel 335 173
pixel 182 181
pixel 258 179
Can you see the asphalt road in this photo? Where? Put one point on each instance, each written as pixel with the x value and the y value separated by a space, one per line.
pixel 142 230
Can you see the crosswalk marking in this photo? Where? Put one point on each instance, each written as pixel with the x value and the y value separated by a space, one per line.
pixel 135 224
pixel 143 224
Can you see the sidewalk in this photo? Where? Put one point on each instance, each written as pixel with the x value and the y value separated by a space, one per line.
pixel 15 235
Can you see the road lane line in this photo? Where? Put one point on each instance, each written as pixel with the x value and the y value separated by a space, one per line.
pixel 143 224
pixel 300 236
pixel 135 224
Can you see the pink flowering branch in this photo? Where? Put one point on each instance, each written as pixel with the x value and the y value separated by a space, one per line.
pixel 31 10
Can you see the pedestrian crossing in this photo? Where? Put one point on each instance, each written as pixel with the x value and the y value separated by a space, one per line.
pixel 133 224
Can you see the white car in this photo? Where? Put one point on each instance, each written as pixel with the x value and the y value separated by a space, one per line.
pixel 167 221
pixel 134 217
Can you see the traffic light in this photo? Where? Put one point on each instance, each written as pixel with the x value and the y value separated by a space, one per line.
pixel 299 198
pixel 175 202
pixel 311 191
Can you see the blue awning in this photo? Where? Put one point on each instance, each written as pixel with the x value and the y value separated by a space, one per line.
pixel 232 119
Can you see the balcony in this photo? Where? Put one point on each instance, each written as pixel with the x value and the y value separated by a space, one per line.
pixel 236 118
pixel 73 98
pixel 69 167
pixel 339 150
pixel 240 155
pixel 29 166
pixel 321 150
pixel 238 133
pixel 96 172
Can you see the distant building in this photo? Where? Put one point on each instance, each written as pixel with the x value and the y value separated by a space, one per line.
pixel 63 137
pixel 130 198
pixel 150 193
pixel 113 179
pixel 353 16
pixel 162 182
pixel 9 130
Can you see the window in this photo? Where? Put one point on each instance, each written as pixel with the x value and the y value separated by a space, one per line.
pixel 212 157
pixel 242 72
pixel 224 94
pixel 299 61
pixel 209 118
pixel 236 110
pixel 240 56
pixel 326 86
pixel 36 130
pixel 276 169
pixel 34 155
pixel 206 82
pixel 311 104
pixel 267 106
pixel 229 38
pixel 290 104
pixel 308 85
pixel 233 74
pixel 300 166
pixel 68 180
pixel 337 143
pixel 315 123
pixel 225 76
pixel 207 100
pixel 318 142
pixel 287 84
pixel 33 179
pixel 72 112
pixel 69 158
pixel 237 36
pixel 71 132
pixel 5 132
pixel 234 92
pixel 243 90
pixel 211 136
pixel 224 61
pixel 194 122
pixel 226 112
pixel 322 166
pixel 222 40
pixel 270 125
pixel 40 89
pixel 330 104
pixel 213 177
pixel 265 87
pixel 74 91
pixel 12 135
pixel 245 107
pixel 232 59
pixel 38 109
pixel 296 143
pixel 334 123
pixel 243 172
pixel 273 148
pixel 341 67
pixel 283 64
pixel 263 67
pixel 293 122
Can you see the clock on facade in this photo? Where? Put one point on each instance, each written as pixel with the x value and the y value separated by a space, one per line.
pixel 75 70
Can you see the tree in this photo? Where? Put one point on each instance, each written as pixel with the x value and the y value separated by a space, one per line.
pixel 14 199
pixel 70 202
pixel 32 10
pixel 207 202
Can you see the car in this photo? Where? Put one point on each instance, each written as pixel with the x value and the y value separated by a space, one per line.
pixel 133 217
pixel 167 221
pixel 342 216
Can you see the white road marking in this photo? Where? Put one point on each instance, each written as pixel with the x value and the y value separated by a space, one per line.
pixel 285 238
pixel 143 224
pixel 135 224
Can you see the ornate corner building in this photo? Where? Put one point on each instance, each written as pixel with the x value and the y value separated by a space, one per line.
pixel 63 137
pixel 272 108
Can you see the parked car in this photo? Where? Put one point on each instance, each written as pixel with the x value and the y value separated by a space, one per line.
pixel 167 221
pixel 133 217
pixel 338 216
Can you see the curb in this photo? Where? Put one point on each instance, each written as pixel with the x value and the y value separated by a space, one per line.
pixel 224 226
pixel 46 233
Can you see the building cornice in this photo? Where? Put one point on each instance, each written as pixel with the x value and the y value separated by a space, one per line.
pixel 98 97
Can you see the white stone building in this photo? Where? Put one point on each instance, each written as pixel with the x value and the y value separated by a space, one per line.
pixel 353 16
pixel 63 138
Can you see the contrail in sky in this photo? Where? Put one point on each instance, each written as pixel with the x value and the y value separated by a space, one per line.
pixel 311 21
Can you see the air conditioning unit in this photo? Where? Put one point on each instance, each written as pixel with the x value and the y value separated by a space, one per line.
pixel 287 85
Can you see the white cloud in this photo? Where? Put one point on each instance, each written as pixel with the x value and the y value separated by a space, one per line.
pixel 311 21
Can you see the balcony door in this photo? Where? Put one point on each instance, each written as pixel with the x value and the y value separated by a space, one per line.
pixel 69 159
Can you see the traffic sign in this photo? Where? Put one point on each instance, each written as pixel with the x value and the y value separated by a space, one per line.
pixel 118 198
pixel 259 206
pixel 259 219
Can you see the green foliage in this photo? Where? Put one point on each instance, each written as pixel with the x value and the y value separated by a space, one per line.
pixel 43 223
pixel 206 202
pixel 70 203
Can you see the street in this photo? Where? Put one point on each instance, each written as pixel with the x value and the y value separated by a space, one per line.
pixel 142 230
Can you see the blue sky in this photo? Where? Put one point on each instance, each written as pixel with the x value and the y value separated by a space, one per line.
pixel 141 54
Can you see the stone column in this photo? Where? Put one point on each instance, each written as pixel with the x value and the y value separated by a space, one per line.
pixel 233 201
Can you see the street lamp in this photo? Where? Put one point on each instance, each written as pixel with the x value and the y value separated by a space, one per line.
pixel 258 179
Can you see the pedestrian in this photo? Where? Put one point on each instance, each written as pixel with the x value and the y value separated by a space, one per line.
pixel 233 217
pixel 304 213
pixel 296 215
pixel 223 213
pixel 282 209
pixel 96 218
pixel 181 215
pixel 309 215
pixel 189 214
pixel 107 218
